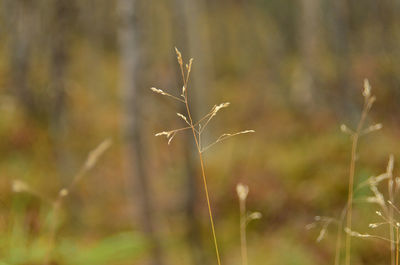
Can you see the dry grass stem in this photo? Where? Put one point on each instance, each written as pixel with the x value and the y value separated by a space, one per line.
pixel 368 102
pixel 197 129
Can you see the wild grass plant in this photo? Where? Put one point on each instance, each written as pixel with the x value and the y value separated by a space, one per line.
pixel 387 210
pixel 56 204
pixel 197 128
pixel 355 136
pixel 245 218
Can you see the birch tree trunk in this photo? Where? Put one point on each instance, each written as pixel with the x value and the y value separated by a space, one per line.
pixel 341 49
pixel 191 39
pixel 60 19
pixel 304 83
pixel 20 21
pixel 131 56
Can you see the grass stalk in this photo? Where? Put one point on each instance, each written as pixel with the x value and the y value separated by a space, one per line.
pixel 397 245
pixel 203 174
pixel 242 194
pixel 197 129
pixel 199 151
pixel 389 172
pixel 368 101
pixel 339 236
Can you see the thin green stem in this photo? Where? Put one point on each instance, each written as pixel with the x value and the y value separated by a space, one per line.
pixel 202 166
pixel 391 213
pixel 355 138
pixel 397 245
pixel 243 237
pixel 339 236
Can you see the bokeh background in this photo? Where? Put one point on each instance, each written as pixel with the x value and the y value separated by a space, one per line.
pixel 73 73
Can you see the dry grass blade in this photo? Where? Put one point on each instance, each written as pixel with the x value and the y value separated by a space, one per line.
pixel 224 137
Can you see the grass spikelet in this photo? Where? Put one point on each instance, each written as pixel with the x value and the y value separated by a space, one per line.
pixel 158 91
pixel 183 118
pixel 161 92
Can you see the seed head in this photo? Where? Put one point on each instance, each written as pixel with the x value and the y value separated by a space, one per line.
pixel 179 56
pixel 19 186
pixel 345 129
pixel 373 225
pixel 63 192
pixel 95 154
pixel 242 191
pixel 158 91
pixel 254 216
pixel 367 89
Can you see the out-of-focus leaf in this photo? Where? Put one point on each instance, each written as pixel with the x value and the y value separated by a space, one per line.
pixel 117 248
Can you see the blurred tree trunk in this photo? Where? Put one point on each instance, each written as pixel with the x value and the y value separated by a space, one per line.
pixel 304 83
pixel 193 42
pixel 59 30
pixel 131 56
pixel 340 42
pixel 59 44
pixel 31 25
pixel 20 21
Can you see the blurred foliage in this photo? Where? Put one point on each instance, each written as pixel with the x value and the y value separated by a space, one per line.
pixel 293 72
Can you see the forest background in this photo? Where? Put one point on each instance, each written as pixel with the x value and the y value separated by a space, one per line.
pixel 74 73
